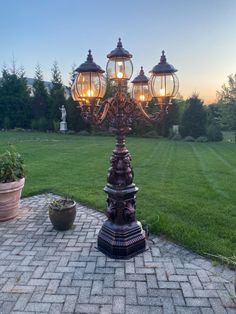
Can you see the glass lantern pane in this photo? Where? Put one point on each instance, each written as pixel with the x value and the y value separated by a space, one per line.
pixel 169 85
pixel 141 92
pixel 176 84
pixel 162 85
pixel 74 95
pixel 111 69
pixel 83 85
pixel 90 85
pixel 128 69
pixel 94 86
pixel 119 68
pixel 102 85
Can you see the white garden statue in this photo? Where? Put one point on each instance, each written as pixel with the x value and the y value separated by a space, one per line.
pixel 63 123
pixel 63 113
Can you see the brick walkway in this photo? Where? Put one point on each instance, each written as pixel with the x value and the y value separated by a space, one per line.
pixel 42 270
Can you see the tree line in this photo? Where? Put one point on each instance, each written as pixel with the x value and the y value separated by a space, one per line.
pixel 38 109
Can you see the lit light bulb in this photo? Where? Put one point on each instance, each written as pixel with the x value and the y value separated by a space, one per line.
pixel 162 92
pixel 120 73
pixel 90 93
pixel 141 97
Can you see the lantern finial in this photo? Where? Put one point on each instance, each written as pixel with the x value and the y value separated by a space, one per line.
pixel 89 57
pixel 119 44
pixel 141 71
pixel 163 57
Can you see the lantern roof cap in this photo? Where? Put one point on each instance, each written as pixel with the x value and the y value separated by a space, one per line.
pixel 89 65
pixel 163 66
pixel 141 78
pixel 119 51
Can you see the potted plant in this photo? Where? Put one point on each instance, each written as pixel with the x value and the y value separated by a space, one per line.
pixel 62 213
pixel 12 179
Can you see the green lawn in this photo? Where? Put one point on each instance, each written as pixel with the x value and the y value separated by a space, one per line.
pixel 187 190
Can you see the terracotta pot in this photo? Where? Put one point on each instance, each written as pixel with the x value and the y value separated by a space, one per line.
pixel 10 194
pixel 63 219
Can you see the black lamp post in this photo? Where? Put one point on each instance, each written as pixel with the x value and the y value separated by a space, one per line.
pixel 122 236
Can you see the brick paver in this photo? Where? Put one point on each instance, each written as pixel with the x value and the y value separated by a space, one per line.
pixel 46 271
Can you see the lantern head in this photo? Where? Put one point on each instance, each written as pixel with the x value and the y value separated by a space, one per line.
pixel 140 90
pixel 164 83
pixel 119 66
pixel 89 82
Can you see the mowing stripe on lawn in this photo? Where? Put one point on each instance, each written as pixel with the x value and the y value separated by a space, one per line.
pixel 213 184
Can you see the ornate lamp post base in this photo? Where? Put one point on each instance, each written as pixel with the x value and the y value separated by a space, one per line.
pixel 121 241
pixel 121 236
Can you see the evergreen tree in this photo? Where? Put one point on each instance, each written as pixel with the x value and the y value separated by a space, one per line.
pixel 57 96
pixel 40 101
pixel 172 118
pixel 110 88
pixel 182 105
pixel 14 99
pixel 74 118
pixel 194 118
pixel 213 114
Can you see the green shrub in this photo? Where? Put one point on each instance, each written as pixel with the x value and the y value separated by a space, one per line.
pixel 176 137
pixel 40 124
pixel 34 124
pixel 70 132
pixel 214 133
pixel 11 167
pixel 151 134
pixel 18 130
pixel 84 133
pixel 56 125
pixel 7 123
pixel 201 139
pixel 171 133
pixel 189 139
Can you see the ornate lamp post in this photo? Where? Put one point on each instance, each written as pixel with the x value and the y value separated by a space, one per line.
pixel 121 235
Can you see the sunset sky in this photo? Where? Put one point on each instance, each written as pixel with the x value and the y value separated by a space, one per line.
pixel 199 36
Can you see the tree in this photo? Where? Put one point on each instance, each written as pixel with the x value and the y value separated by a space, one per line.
pixel 227 104
pixel 194 118
pixel 40 99
pixel 57 96
pixel 228 92
pixel 74 118
pixel 212 114
pixel 227 116
pixel 169 120
pixel 14 99
pixel 214 133
pixel 110 88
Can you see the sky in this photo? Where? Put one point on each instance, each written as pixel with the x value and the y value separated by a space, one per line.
pixel 198 36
